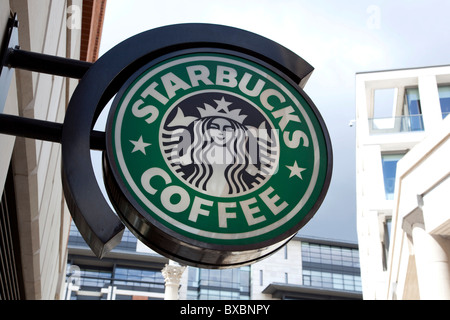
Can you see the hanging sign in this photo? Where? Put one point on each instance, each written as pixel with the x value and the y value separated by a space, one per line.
pixel 215 157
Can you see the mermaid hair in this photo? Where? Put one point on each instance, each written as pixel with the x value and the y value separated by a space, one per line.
pixel 237 147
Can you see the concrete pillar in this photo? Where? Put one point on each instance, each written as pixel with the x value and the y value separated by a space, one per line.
pixel 432 264
pixel 172 273
pixel 429 100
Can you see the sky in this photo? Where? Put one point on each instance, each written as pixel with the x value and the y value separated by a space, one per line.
pixel 338 38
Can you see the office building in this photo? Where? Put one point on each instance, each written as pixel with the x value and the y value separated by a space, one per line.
pixel 35 221
pixel 403 185
pixel 303 269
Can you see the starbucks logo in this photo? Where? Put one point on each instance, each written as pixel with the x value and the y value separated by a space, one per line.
pixel 216 150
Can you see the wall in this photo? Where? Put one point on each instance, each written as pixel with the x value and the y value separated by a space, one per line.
pixel 419 265
pixel 273 269
pixel 42 213
pixel 395 274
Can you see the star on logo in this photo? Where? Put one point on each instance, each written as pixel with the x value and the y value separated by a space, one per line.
pixel 296 170
pixel 222 105
pixel 139 145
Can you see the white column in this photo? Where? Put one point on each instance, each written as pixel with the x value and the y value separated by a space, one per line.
pixel 429 100
pixel 432 263
pixel 172 273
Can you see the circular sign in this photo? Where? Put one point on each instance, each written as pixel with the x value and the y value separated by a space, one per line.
pixel 216 153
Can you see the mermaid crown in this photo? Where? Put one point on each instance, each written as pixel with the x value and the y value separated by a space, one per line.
pixel 209 111
pixel 222 111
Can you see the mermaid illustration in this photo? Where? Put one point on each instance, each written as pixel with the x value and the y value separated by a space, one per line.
pixel 216 152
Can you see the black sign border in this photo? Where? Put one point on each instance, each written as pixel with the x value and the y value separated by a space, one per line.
pixel 94 218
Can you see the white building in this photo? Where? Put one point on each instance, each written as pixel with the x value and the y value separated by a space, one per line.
pixel 403 185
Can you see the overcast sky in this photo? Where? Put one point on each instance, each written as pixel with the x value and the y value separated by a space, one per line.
pixel 338 38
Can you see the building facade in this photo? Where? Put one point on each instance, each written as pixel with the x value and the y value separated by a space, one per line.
pixel 35 221
pixel 303 269
pixel 403 208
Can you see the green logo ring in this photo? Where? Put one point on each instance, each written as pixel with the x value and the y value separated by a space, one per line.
pixel 220 149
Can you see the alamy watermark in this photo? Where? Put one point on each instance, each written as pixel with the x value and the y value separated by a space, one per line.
pixel 74 16
pixel 373 22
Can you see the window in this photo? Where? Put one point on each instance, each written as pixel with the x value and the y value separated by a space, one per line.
pixel 95 278
pixel 330 267
pixel 385 118
pixel 444 99
pixel 413 110
pixel 139 279
pixel 389 163
pixel 212 284
pixel 329 255
pixel 332 280
pixel 95 282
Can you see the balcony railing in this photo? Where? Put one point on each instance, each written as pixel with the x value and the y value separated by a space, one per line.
pixel 396 124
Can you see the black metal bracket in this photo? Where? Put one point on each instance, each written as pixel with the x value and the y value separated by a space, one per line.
pixel 42 130
pixel 101 229
pixel 12 57
pixel 44 63
pixel 90 211
pixel 96 221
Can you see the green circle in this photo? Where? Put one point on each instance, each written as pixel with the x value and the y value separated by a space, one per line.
pixel 280 164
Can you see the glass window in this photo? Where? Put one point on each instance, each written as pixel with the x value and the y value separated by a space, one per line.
pixel 193 277
pixel 206 284
pixel 306 278
pixel 332 267
pixel 139 279
pixel 338 282
pixel 413 109
pixel 358 286
pixel 356 259
pixel 444 99
pixel 389 163
pixel 94 278
pixel 348 282
pixel 244 276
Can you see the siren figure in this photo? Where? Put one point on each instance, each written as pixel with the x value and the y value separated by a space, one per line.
pixel 217 153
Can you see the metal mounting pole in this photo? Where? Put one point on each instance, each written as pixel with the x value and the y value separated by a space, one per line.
pixel 42 130
pixel 101 229
pixel 13 58
pixel 44 63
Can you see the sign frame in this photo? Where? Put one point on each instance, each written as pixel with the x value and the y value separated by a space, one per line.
pixel 94 218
